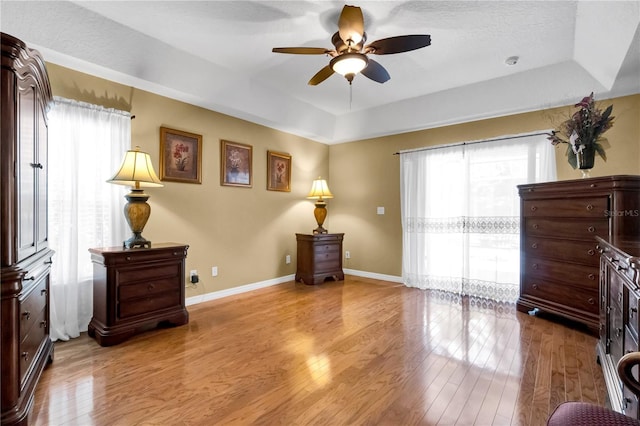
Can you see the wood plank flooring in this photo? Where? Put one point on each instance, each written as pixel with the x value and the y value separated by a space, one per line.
pixel 358 352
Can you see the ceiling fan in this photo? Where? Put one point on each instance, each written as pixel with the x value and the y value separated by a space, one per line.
pixel 350 55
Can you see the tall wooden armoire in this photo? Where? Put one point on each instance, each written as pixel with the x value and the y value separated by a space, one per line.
pixel 25 257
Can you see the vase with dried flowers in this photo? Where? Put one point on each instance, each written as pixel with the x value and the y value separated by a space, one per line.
pixel 583 134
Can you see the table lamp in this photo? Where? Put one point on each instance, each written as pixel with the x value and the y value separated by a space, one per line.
pixel 136 171
pixel 320 191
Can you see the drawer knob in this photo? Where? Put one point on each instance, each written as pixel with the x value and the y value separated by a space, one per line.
pixel 591 277
pixel 593 185
pixel 591 301
pixel 591 252
pixel 26 314
pixel 43 292
pixel 534 208
pixel 534 245
pixel 591 229
pixel 589 207
pixel 536 226
pixel 25 355
pixel 534 266
pixel 151 287
pixel 618 332
pixel 43 324
pixel 535 286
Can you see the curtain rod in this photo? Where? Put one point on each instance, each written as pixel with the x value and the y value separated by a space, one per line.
pixel 501 138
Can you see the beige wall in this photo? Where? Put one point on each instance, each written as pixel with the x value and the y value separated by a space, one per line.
pixel 365 174
pixel 248 232
pixel 245 232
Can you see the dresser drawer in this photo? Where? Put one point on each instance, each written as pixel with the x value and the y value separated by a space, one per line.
pixel 595 207
pixel 582 276
pixel 148 273
pixel 137 256
pixel 584 229
pixel 31 306
pixel 632 314
pixel 581 300
pixel 149 305
pixel 584 252
pixel 31 341
pixel 146 289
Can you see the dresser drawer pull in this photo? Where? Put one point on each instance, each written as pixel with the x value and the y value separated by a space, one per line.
pixel 534 245
pixel 591 277
pixel 593 185
pixel 26 314
pixel 535 286
pixel 30 279
pixel 151 287
pixel 43 324
pixel 589 207
pixel 25 355
pixel 591 252
pixel 175 253
pixel 534 208
pixel 534 266
pixel 536 226
pixel 627 401
pixel 618 332
pixel 48 262
pixel 43 292
pixel 591 229
pixel 620 298
pixel 591 301
pixel 127 258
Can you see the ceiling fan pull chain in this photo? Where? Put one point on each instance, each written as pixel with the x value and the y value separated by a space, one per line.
pixel 350 95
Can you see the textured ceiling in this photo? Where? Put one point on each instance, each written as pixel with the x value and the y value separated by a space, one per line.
pixel 217 54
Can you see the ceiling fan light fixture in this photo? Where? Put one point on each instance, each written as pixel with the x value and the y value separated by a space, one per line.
pixel 349 63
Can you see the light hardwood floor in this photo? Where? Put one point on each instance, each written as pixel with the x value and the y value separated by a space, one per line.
pixel 356 352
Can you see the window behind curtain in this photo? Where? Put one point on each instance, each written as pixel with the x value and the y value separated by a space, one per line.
pixel 460 214
pixel 86 146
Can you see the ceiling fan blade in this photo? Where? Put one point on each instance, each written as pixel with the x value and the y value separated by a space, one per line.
pixel 398 44
pixel 351 24
pixel 375 72
pixel 301 50
pixel 321 76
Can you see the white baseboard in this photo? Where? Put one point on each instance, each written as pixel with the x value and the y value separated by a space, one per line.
pixel 374 275
pixel 194 300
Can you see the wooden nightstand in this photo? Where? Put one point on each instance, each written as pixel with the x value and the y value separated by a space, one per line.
pixel 136 289
pixel 319 258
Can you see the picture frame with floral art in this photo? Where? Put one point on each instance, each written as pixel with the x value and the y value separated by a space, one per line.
pixel 180 156
pixel 236 162
pixel 278 171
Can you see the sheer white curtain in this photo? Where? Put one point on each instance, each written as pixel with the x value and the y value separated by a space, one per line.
pixel 460 214
pixel 86 146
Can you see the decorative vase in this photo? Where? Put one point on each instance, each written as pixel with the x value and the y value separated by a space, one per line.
pixel 585 160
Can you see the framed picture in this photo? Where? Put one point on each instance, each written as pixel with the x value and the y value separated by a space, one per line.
pixel 235 164
pixel 278 171
pixel 180 156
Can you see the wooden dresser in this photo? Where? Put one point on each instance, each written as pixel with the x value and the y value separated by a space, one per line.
pixel 319 258
pixel 619 325
pixel 559 223
pixel 25 257
pixel 136 289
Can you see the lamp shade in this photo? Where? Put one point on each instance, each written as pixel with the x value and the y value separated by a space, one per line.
pixel 136 170
pixel 349 63
pixel 319 190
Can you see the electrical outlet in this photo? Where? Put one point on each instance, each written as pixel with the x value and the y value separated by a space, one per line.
pixel 214 271
pixel 287 259
pixel 347 254
pixel 193 272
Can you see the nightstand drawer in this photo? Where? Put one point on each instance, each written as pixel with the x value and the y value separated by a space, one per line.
pixel 144 306
pixel 321 249
pixel 595 207
pixel 146 289
pixel 147 274
pixel 582 229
